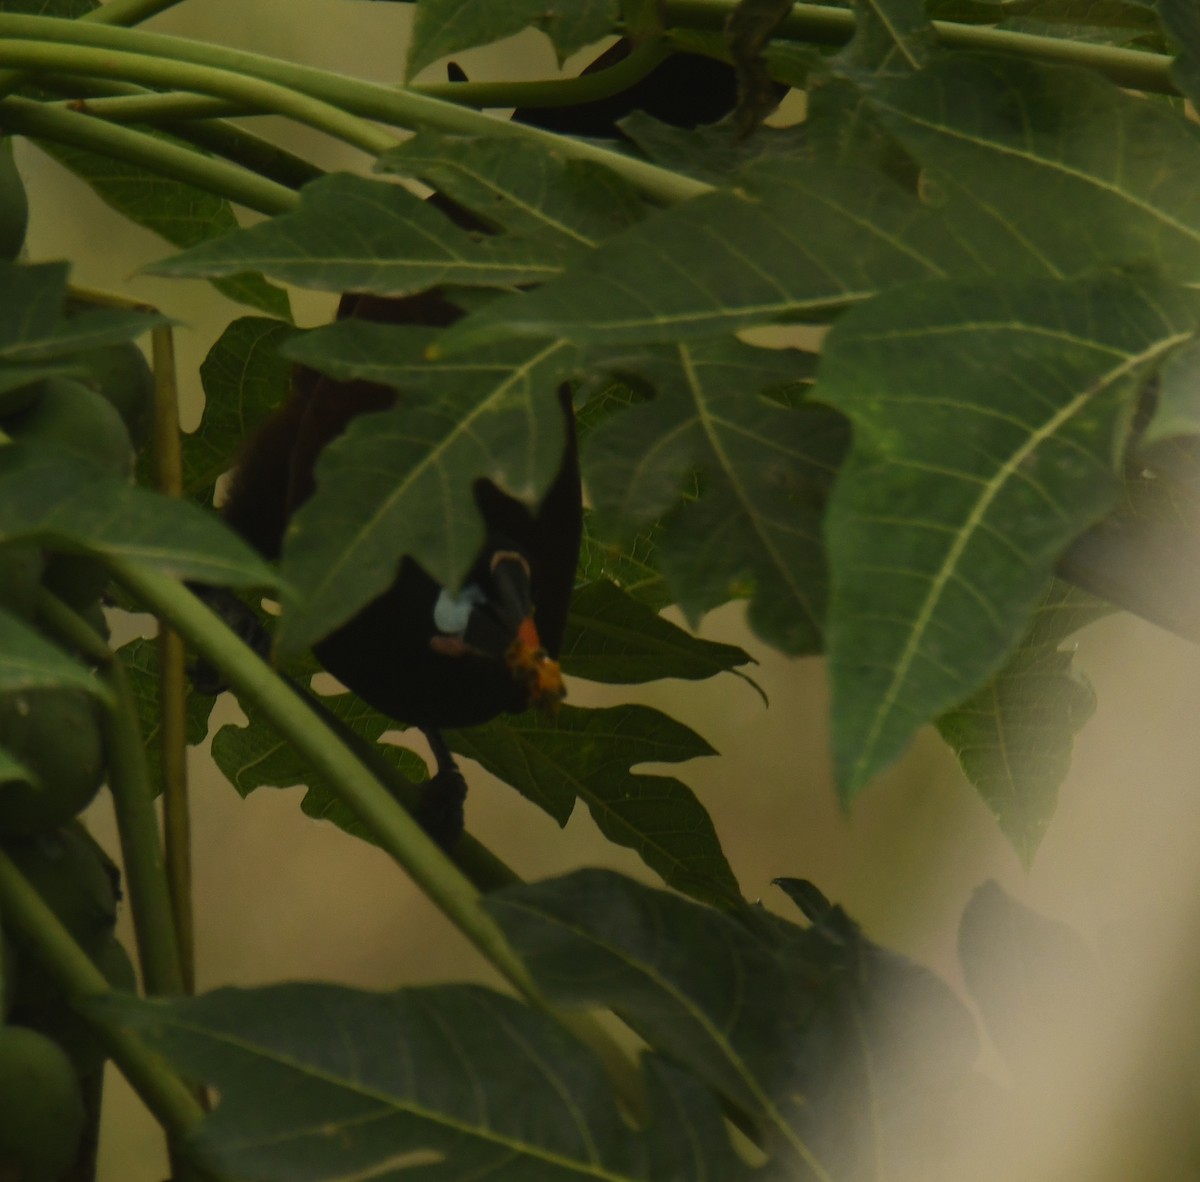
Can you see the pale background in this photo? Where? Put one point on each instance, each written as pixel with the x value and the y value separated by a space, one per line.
pixel 279 896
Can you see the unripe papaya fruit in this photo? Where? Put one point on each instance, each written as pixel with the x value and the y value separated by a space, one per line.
pixel 21 567
pixel 121 374
pixel 42 1106
pixel 14 207
pixel 75 418
pixel 56 734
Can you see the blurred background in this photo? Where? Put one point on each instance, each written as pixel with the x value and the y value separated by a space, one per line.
pixel 279 896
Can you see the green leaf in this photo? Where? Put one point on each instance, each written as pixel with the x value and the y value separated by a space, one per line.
pixel 178 212
pixel 613 637
pixel 765 467
pixel 140 658
pixel 257 756
pixel 586 755
pixel 986 420
pixel 521 187
pixel 793 241
pixel 1013 737
pixel 890 36
pixel 841 1055
pixel 1029 976
pixel 353 234
pixel 1002 140
pixel 33 330
pixel 245 377
pixel 319 1082
pixel 64 502
pixel 630 565
pixel 443 27
pixel 1181 21
pixel 712 152
pixel 13 771
pixel 400 481
pixel 28 661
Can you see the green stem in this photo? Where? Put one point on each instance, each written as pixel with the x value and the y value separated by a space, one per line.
pixel 41 932
pixel 80 55
pixel 158 155
pixel 155 108
pixel 133 803
pixel 172 693
pixel 366 99
pixel 397 833
pixel 225 139
pixel 835 26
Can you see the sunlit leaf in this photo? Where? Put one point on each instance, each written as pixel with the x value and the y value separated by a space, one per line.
pixel 986 422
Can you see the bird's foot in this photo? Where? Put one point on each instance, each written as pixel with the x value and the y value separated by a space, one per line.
pixel 441 812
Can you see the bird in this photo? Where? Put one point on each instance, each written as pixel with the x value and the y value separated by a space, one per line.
pixel 420 653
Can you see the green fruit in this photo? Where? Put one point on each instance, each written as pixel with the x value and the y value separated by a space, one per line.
pixel 43 1113
pixel 14 207
pixel 21 567
pixel 56 734
pixel 76 879
pixel 121 374
pixel 75 418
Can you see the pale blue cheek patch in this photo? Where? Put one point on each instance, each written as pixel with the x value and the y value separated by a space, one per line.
pixel 452 611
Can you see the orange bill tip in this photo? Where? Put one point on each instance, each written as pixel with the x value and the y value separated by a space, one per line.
pixel 535 668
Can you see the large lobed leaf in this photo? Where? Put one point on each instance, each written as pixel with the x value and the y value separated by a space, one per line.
pixel 354 234
pixel 764 466
pixel 178 212
pixel 587 755
pixel 400 481
pixel 28 661
pixel 442 27
pixel 1013 737
pixel 841 1060
pixel 986 421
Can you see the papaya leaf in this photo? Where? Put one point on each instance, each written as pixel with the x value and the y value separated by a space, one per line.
pixel 613 637
pixel 630 565
pixel 586 755
pixel 443 27
pixel 244 378
pixel 33 329
pixel 1028 975
pixel 712 152
pixel 840 1054
pixel 256 756
pixel 987 419
pixel 1002 139
pixel 1013 737
pixel 13 771
pixel 521 187
pixel 400 481
pixel 178 212
pixel 1181 21
pixel 140 658
pixel 1177 399
pixel 28 661
pixel 65 502
pixel 454 1079
pixel 765 467
pixel 354 234
pixel 1145 556
pixel 890 37
pixel 792 241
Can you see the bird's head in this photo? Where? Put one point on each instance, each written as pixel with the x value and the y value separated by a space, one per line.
pixel 492 616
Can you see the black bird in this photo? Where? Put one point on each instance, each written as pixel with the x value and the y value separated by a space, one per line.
pixel 418 653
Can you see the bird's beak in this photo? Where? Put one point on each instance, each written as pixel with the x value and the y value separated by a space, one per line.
pixel 531 665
